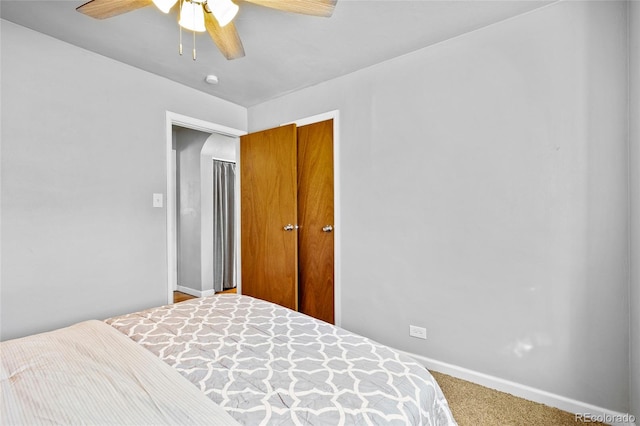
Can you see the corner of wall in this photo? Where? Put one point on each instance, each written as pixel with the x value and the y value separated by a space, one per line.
pixel 634 203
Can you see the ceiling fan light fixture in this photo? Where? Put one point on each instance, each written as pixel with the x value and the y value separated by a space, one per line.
pixel 192 16
pixel 223 10
pixel 219 24
pixel 164 5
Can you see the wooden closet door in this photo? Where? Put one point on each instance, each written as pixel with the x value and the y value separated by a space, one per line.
pixel 315 215
pixel 268 196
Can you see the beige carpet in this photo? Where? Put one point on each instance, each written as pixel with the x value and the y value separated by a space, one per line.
pixel 475 405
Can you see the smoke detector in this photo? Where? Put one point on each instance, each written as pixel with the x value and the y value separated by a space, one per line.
pixel 211 79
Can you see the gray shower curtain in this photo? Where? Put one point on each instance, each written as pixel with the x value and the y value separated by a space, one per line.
pixel 224 250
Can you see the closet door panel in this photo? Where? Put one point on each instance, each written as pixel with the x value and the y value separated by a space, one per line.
pixel 268 196
pixel 315 215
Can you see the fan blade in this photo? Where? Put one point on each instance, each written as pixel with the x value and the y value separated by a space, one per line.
pixel 226 38
pixel 103 9
pixel 306 7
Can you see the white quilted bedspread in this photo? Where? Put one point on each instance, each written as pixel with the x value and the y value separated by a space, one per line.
pixel 89 374
pixel 265 364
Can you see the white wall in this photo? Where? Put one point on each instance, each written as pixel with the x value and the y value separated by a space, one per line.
pixel 83 149
pixel 485 197
pixel 634 163
pixel 188 144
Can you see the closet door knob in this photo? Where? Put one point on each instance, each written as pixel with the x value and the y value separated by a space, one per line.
pixel 290 227
pixel 327 228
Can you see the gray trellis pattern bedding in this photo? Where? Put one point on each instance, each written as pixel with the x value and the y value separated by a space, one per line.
pixel 265 364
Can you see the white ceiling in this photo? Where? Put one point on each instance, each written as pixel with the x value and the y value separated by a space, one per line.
pixel 284 52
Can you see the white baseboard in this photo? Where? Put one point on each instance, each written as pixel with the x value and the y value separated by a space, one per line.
pixel 196 293
pixel 589 412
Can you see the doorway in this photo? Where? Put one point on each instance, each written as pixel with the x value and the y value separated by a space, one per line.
pixel 173 119
pixel 194 123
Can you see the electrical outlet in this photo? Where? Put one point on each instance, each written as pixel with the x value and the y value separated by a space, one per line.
pixel 419 332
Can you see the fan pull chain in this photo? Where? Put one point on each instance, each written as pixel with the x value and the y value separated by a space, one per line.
pixel 180 28
pixel 194 45
pixel 194 35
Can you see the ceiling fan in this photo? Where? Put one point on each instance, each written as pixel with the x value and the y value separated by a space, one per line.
pixel 213 16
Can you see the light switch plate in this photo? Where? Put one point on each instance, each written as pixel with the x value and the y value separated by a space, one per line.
pixel 157 200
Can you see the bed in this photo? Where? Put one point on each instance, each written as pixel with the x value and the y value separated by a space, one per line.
pixel 256 363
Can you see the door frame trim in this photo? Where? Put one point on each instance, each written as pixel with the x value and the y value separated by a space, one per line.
pixel 337 222
pixel 175 119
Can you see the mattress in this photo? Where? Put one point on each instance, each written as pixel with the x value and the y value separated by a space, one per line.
pixel 269 365
pixel 90 373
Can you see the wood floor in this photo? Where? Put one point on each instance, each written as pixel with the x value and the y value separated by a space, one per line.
pixel 181 297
